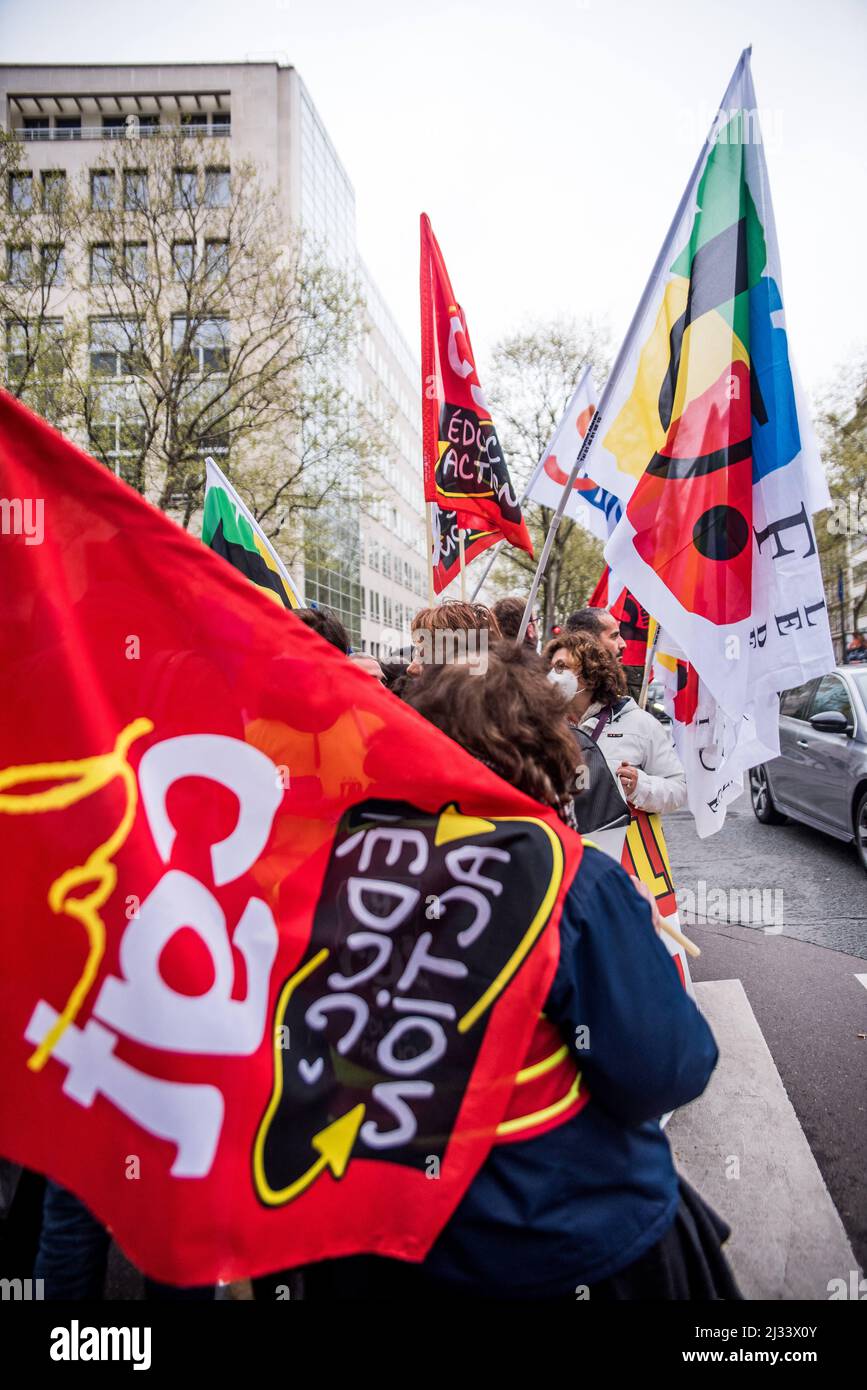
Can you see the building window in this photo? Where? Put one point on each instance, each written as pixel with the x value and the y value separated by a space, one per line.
pixel 186 188
pixel 36 128
pixel 135 190
pixel 374 606
pixel 53 266
pixel 135 256
pixel 208 343
pixel 216 188
pixel 67 128
pixel 36 349
pixel 373 558
pixel 194 123
pixel 221 122
pixel 148 125
pixel 101 263
pixel 114 127
pixel 53 189
pixel 115 347
pixel 386 563
pixel 117 426
pixel 216 259
pixel 21 192
pixel 101 190
pixel 387 611
pixel 19 260
pixel 183 259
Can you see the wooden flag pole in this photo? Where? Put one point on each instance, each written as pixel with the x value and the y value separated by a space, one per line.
pixel 430 570
pixel 463 565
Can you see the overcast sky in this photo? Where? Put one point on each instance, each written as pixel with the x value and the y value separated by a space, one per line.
pixel 548 139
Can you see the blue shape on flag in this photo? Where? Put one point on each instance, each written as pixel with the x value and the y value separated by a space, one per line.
pixel 778 440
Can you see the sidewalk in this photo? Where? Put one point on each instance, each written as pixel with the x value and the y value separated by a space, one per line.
pixel 742 1146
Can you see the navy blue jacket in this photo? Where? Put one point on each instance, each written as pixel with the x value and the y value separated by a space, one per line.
pixel 582 1201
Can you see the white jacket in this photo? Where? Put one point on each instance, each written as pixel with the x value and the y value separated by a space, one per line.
pixel 634 736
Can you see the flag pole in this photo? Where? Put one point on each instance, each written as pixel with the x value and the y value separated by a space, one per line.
pixel 626 345
pixel 652 643
pixel 463 565
pixel 430 573
pixel 531 484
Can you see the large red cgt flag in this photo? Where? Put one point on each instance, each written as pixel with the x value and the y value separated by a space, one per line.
pixel 464 467
pixel 273 947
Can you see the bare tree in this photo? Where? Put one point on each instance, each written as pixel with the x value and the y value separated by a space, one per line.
pixel 38 218
pixel 534 375
pixel 842 427
pixel 213 328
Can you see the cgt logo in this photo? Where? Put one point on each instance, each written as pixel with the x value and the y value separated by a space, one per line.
pixel 388 1009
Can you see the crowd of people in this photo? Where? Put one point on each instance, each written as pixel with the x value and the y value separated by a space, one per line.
pixel 592 1207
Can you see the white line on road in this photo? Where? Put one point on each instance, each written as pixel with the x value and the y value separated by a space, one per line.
pixel 863 980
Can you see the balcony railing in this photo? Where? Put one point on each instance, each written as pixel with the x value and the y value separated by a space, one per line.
pixel 98 132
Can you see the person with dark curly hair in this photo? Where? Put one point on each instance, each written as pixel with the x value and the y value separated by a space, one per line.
pixel 637 748
pixel 529 745
pixel 580 1191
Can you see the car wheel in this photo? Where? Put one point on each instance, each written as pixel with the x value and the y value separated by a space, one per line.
pixel 760 791
pixel 861 831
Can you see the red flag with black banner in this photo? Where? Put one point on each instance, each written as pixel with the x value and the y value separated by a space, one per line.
pixel 446 547
pixel 464 467
pixel 264 930
pixel 634 623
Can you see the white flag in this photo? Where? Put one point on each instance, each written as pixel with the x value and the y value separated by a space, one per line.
pixel 703 434
pixel 589 504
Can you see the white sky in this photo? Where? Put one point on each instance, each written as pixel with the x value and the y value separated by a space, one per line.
pixel 549 140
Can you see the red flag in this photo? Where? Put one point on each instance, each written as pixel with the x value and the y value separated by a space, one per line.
pixel 634 626
pixel 271 942
pixel 464 467
pixel 446 547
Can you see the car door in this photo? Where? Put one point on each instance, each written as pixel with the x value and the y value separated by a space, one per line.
pixel 824 769
pixel 787 772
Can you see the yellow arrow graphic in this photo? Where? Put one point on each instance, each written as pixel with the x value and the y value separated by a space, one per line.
pixel 334 1145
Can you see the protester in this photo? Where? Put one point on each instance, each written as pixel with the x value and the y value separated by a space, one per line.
pixel 857 648
pixel 599 623
pixel 395 676
pixel 593 1203
pixel 369 665
pixel 637 748
pixel 327 624
pixel 509 613
pixel 435 633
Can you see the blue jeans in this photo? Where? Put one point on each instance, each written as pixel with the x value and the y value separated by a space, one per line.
pixel 73 1254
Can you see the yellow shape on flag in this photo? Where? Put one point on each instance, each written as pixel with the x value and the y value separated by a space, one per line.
pixel 708 349
pixel 452 825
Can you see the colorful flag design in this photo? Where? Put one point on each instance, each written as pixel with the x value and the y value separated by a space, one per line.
pixel 230 529
pixel 464 467
pixel 227 844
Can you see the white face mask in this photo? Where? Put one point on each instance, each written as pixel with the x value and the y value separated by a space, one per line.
pixel 567 683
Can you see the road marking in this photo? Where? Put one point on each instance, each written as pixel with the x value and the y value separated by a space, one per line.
pixel 745 1127
pixel 863 979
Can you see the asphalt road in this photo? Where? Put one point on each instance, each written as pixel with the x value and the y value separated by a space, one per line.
pixel 801 982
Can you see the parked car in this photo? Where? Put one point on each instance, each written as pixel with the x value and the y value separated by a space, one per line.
pixel 820 777
pixel 656 702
